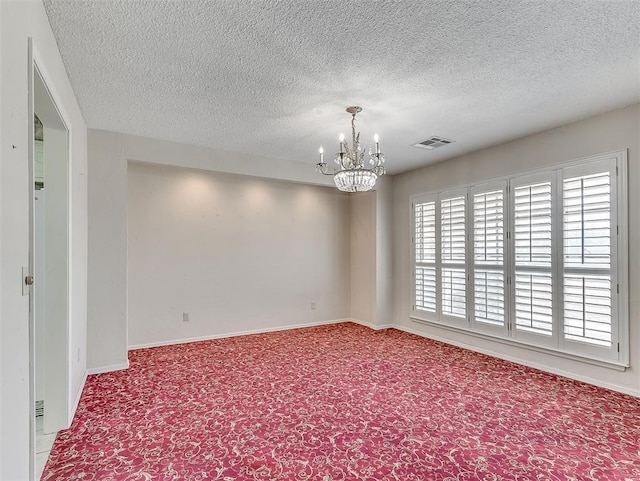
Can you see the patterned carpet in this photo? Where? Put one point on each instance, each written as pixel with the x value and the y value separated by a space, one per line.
pixel 342 402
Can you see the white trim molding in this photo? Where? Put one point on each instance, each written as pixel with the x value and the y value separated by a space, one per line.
pixel 76 401
pixel 235 334
pixel 111 368
pixel 370 325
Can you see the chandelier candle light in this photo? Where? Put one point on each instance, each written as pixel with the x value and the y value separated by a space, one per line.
pixel 351 175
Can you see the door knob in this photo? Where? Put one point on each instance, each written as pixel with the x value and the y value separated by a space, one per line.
pixel 28 280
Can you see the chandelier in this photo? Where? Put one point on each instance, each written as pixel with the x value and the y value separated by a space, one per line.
pixel 351 175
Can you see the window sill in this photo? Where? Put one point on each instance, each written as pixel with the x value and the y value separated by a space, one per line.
pixel 606 363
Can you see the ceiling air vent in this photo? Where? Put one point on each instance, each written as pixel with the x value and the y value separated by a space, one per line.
pixel 433 143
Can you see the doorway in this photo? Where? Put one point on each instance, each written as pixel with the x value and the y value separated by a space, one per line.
pixel 49 263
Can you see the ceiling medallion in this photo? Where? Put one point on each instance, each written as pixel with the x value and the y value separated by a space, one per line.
pixel 351 175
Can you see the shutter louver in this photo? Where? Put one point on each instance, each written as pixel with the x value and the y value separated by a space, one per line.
pixel 426 288
pixel 425 232
pixel 453 237
pixel 488 225
pixel 454 298
pixel 587 308
pixel 587 258
pixel 533 225
pixel 534 303
pixel 587 221
pixel 489 296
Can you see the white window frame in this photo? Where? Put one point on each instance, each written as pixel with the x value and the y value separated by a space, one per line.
pixel 617 357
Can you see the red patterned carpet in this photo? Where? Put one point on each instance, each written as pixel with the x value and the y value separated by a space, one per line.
pixel 342 402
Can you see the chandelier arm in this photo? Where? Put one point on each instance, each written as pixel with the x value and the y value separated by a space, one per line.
pixel 324 169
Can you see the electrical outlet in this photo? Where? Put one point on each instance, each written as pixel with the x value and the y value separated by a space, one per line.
pixel 185 317
pixel 313 305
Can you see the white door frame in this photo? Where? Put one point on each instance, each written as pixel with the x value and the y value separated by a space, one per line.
pixel 57 351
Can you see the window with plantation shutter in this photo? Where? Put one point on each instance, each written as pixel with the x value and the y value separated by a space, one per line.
pixel 424 218
pixel 587 209
pixel 489 254
pixel 538 259
pixel 453 256
pixel 533 296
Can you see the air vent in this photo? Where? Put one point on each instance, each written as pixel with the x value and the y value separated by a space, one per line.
pixel 433 143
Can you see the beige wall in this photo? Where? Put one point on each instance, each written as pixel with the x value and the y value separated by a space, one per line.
pixel 372 255
pixel 611 131
pixel 384 252
pixel 363 256
pixel 107 277
pixel 238 253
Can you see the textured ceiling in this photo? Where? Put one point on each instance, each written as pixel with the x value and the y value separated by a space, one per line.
pixel 273 77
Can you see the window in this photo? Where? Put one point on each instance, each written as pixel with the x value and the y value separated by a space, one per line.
pixel 452 254
pixel 425 251
pixel 536 258
pixel 533 258
pixel 589 217
pixel 489 256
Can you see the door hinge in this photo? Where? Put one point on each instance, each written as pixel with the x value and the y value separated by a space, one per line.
pixel 618 347
pixel 618 288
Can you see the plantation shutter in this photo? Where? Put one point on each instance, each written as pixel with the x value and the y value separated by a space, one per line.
pixel 540 257
pixel 532 234
pixel 424 218
pixel 489 254
pixel 588 210
pixel 453 244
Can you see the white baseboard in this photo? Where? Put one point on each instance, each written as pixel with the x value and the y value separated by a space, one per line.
pixel 111 368
pixel 535 365
pixel 234 334
pixel 370 325
pixel 76 401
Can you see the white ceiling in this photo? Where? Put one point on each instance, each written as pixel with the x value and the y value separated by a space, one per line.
pixel 273 78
